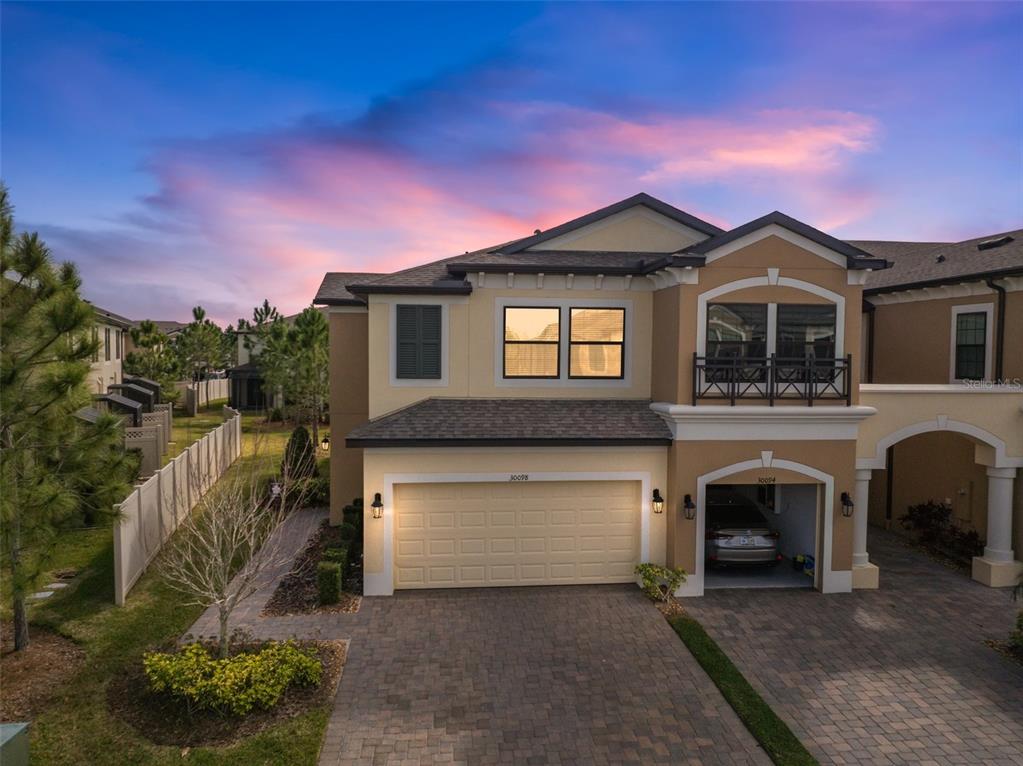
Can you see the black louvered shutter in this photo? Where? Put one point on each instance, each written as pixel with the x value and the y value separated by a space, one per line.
pixel 418 341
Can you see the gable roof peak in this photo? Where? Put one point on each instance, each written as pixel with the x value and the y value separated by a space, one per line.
pixel 641 198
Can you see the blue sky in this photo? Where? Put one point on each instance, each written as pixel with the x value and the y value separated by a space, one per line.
pixel 223 153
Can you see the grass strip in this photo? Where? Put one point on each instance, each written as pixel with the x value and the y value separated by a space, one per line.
pixel 777 739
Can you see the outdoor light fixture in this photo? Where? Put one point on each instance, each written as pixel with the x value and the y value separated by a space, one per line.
pixel 689 507
pixel 377 506
pixel 657 502
pixel 847 505
pixel 325 443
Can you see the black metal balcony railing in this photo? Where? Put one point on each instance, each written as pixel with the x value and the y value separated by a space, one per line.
pixel 772 377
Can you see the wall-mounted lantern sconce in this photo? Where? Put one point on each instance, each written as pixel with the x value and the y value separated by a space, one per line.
pixel 847 505
pixel 657 502
pixel 325 443
pixel 377 506
pixel 689 507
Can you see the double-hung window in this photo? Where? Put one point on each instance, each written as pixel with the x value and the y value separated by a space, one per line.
pixel 596 343
pixel 106 344
pixel 532 342
pixel 418 343
pixel 971 345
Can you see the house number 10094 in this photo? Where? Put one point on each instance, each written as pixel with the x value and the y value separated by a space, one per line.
pixel 519 477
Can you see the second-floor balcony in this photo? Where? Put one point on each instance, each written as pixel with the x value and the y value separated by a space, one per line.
pixel 773 378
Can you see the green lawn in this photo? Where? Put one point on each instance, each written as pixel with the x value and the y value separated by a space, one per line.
pixel 763 723
pixel 76 727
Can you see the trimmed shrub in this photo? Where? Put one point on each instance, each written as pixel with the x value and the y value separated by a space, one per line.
pixel 349 531
pixel 314 490
pixel 352 515
pixel 660 583
pixel 328 582
pixel 1016 636
pixel 235 685
pixel 299 456
pixel 337 555
pixel 932 525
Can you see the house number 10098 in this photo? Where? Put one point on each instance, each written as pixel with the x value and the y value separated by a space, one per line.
pixel 519 477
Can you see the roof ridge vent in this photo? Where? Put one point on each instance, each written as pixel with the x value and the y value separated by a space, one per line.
pixel 991 244
pixel 940 259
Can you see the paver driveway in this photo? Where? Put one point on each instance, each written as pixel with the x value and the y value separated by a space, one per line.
pixel 580 674
pixel 894 676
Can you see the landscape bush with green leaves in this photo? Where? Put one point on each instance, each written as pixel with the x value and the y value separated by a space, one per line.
pixel 236 685
pixel 660 582
pixel 328 582
pixel 932 526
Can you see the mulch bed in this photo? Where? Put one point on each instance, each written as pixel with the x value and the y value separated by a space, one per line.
pixel 296 593
pixel 31 677
pixel 1003 647
pixel 671 608
pixel 166 720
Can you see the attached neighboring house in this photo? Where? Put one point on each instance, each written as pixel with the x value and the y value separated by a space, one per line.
pixel 112 331
pixel 556 409
pixel 168 327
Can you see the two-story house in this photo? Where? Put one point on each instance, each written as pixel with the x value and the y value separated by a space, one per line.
pixel 556 409
pixel 112 331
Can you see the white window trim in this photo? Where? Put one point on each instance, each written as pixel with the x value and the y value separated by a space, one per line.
pixel 392 335
pixel 382 583
pixel 564 304
pixel 973 308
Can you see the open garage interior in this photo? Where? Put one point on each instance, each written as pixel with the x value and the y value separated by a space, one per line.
pixel 761 536
pixel 516 533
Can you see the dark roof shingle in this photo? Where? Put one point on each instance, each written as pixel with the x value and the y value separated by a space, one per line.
pixel 334 288
pixel 510 422
pixel 921 263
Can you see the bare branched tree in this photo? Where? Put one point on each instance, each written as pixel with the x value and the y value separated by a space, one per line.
pixel 223 551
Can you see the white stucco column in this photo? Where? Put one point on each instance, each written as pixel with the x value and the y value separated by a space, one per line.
pixel 997 567
pixel 999 514
pixel 864 574
pixel 861 497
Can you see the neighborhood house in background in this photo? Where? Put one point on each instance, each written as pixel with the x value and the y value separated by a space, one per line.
pixel 556 409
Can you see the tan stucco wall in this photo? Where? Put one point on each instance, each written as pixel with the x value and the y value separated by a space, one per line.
pixel 753 261
pixel 936 466
pixel 103 373
pixel 379 462
pixel 349 404
pixel 629 231
pixel 912 341
pixel 471 351
pixel 998 413
pixel 668 366
pixel 687 461
pixel 1013 356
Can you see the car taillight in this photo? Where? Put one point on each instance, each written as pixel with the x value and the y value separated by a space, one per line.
pixel 718 536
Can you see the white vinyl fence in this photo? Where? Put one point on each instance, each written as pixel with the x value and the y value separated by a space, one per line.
pixel 200 394
pixel 154 509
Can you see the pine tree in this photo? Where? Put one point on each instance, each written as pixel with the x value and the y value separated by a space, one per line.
pixel 54 466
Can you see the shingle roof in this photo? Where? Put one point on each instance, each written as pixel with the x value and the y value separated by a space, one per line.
pixel 855 257
pixel 166 326
pixel 924 263
pixel 109 317
pixel 559 261
pixel 333 289
pixel 669 211
pixel 510 422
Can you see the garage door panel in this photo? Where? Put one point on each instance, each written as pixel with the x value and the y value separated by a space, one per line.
pixel 470 535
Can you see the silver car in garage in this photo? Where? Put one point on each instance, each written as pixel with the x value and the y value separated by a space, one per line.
pixel 737 531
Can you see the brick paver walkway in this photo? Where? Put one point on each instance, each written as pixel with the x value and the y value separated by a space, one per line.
pixel 553 675
pixel 895 676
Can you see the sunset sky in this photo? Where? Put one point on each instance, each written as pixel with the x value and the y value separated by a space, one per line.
pixel 219 154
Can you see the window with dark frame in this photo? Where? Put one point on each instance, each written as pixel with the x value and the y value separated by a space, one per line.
pixel 532 342
pixel 95 339
pixel 596 344
pixel 418 342
pixel 971 346
pixel 805 330
pixel 119 337
pixel 737 330
pixel 106 344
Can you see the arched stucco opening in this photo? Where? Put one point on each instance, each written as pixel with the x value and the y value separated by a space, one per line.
pixel 826 580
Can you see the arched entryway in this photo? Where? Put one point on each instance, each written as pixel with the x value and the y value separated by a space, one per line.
pixel 997 565
pixel 825 579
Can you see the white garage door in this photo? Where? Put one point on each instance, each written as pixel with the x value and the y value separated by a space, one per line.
pixel 471 535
